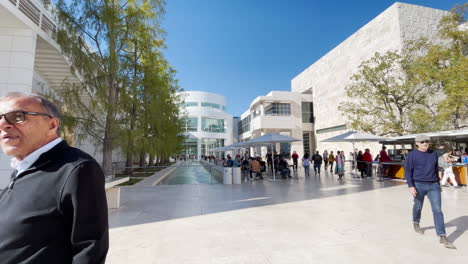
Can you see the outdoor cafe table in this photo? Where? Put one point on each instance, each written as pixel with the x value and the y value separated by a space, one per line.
pixel 460 170
pixel 396 169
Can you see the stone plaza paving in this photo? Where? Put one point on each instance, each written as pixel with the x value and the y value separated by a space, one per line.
pixel 302 220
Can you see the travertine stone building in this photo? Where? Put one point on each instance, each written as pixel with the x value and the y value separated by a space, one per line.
pixel 327 78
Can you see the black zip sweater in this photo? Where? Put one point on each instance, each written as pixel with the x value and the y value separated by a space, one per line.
pixel 55 211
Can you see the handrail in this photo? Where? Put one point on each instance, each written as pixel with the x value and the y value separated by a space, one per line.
pixel 38 14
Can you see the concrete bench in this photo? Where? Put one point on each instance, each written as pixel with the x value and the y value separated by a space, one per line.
pixel 113 192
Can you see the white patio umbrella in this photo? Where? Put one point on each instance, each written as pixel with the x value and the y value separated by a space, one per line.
pixel 229 147
pixel 268 139
pixel 459 133
pixel 218 149
pixel 354 136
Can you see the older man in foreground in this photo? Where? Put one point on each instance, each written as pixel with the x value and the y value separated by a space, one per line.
pixel 54 210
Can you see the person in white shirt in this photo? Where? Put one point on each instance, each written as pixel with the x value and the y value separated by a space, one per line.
pixel 446 162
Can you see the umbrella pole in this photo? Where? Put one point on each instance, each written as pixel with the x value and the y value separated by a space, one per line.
pixel 354 160
pixel 273 163
pixel 355 164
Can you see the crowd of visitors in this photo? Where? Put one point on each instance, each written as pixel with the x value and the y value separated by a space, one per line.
pixel 362 161
pixel 254 167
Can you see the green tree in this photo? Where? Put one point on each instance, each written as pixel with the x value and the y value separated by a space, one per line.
pixel 444 66
pixel 422 88
pixel 161 124
pixel 145 38
pixel 105 41
pixel 150 101
pixel 382 96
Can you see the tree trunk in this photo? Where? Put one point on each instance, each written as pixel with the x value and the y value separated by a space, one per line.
pixel 133 113
pixel 107 151
pixel 151 160
pixel 142 158
pixel 129 161
pixel 107 157
pixel 113 96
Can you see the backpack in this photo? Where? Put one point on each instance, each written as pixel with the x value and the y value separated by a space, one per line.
pixel 442 162
pixel 317 158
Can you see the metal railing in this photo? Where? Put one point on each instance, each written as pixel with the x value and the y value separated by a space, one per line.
pixel 38 14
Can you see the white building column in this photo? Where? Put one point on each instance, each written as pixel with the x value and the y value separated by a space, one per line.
pixel 17 50
pixel 199 142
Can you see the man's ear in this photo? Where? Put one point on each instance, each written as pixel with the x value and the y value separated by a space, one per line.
pixel 54 124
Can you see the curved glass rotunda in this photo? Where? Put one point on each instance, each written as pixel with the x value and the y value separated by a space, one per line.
pixel 207 125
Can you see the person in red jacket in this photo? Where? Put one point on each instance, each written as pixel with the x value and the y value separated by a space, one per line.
pixel 367 157
pixel 385 158
pixel 294 157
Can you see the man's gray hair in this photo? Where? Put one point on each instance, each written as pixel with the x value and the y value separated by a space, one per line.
pixel 49 107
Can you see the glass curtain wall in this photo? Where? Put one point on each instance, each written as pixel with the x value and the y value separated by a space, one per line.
pixel 285 150
pixel 244 125
pixel 307 112
pixel 211 105
pixel 212 125
pixel 190 148
pixel 211 143
pixel 278 109
pixel 306 142
pixel 191 124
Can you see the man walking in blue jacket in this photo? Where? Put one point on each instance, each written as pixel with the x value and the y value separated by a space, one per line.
pixel 421 173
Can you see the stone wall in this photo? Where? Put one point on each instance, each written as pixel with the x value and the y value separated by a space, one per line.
pixel 329 76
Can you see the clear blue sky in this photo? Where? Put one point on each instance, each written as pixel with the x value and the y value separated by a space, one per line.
pixel 246 48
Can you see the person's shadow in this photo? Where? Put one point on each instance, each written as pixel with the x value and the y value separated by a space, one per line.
pixel 461 225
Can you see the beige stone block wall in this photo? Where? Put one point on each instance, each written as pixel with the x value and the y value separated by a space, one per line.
pixel 329 76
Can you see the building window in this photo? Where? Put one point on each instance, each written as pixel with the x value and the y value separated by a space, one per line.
pixel 190 148
pixel 285 150
pixel 191 124
pixel 307 112
pixel 278 109
pixel 211 143
pixel 212 125
pixel 331 129
pixel 306 142
pixel 216 106
pixel 189 104
pixel 244 125
pixel 224 108
pixel 256 113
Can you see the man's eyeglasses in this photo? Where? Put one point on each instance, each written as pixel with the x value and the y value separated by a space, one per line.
pixel 18 117
pixel 425 141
